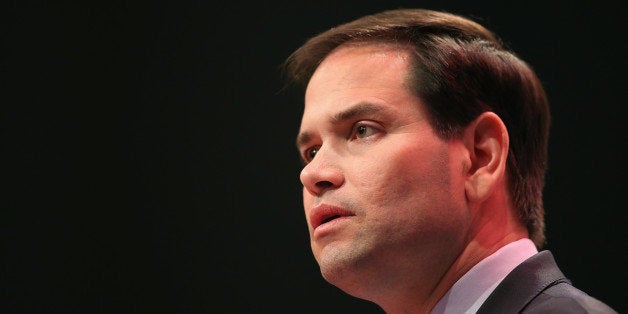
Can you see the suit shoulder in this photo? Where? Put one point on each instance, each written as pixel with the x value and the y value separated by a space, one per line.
pixel 565 298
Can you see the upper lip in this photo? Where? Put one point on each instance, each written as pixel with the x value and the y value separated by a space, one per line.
pixel 324 212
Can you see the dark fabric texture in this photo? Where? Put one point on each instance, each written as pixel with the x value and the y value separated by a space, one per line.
pixel 538 286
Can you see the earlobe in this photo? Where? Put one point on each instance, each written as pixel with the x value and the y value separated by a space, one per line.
pixel 487 140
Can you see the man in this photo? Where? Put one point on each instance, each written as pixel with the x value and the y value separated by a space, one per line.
pixel 424 142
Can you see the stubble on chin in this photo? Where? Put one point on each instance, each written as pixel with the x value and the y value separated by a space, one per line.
pixel 342 264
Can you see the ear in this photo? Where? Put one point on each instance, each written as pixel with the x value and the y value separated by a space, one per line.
pixel 486 139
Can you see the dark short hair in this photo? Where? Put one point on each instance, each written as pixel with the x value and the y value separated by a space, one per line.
pixel 459 69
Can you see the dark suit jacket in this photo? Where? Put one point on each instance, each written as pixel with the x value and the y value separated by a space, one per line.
pixel 538 286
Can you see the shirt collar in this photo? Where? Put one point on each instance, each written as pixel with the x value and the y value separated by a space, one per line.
pixel 474 287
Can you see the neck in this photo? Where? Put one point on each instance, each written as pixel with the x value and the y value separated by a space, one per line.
pixel 493 228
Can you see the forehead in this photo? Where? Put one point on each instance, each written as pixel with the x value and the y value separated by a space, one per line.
pixel 360 65
pixel 359 72
pixel 360 82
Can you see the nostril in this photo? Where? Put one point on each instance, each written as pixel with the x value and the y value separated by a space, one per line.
pixel 324 184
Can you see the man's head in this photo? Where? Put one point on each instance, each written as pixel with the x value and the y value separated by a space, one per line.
pixel 458 70
pixel 424 143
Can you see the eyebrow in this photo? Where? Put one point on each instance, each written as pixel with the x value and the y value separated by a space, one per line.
pixel 359 109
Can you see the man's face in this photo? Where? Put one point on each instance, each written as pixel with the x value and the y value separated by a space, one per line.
pixel 383 194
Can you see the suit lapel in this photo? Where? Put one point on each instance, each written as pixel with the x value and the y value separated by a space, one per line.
pixel 524 283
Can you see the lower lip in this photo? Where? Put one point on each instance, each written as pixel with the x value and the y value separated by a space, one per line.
pixel 329 226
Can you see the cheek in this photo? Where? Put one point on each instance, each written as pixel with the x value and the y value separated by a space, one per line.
pixel 414 193
pixel 405 172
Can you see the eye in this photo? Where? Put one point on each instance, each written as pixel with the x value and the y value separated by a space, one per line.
pixel 310 153
pixel 361 130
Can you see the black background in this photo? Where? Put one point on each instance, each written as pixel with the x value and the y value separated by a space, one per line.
pixel 150 165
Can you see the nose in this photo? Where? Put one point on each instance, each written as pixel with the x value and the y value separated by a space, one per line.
pixel 321 174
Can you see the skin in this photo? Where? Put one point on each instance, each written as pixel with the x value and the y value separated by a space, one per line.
pixel 421 210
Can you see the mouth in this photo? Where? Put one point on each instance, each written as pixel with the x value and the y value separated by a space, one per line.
pixel 324 213
pixel 327 219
